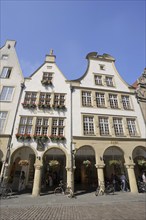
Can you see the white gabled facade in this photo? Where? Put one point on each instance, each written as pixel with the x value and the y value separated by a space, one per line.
pixel 107 123
pixel 10 91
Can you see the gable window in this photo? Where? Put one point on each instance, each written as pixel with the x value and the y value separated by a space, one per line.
pixel 98 80
pixel 104 126
pixel 109 81
pixel 3 116
pixel 131 127
pixel 86 98
pixel 126 102
pixel 88 125
pixel 25 126
pixel 45 99
pixel 6 93
pixel 4 57
pixel 100 100
pixel 118 126
pixel 59 100
pixel 6 71
pixel 113 101
pixel 58 127
pixel 42 125
pixel 47 78
pixel 30 99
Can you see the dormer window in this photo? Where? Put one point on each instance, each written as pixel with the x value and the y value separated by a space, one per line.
pixel 47 78
pixel 102 66
pixel 109 81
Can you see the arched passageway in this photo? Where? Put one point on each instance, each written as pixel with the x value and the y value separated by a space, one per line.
pixel 22 159
pixel 54 169
pixel 85 177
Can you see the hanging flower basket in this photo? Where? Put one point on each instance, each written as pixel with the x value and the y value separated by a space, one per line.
pixel 114 162
pixel 53 163
pixel 87 163
pixel 141 162
pixel 23 163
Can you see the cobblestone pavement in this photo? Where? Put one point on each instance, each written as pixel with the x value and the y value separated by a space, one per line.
pixel 121 206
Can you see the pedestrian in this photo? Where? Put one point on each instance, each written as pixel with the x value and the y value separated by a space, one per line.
pixel 22 181
pixel 143 177
pixel 123 182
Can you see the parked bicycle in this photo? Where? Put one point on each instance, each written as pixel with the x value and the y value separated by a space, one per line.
pixel 62 189
pixel 5 192
pixel 141 187
pixel 104 188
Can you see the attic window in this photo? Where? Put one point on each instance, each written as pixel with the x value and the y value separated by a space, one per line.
pixel 102 67
pixel 4 57
pixel 49 67
pixel 47 78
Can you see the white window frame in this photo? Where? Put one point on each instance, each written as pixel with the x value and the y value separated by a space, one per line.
pixel 100 99
pixel 118 126
pixel 6 72
pixel 86 98
pixel 88 125
pixel 109 81
pixel 104 126
pixel 58 126
pixel 113 99
pixel 25 125
pixel 98 80
pixel 126 102
pixel 3 117
pixel 42 126
pixel 132 128
pixel 6 95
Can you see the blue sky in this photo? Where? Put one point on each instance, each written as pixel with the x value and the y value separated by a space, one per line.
pixel 75 28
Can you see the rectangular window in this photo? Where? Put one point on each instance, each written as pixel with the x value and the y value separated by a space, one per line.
pixel 118 126
pixel 109 81
pixel 88 125
pixel 6 72
pixel 45 99
pixel 100 99
pixel 4 57
pixel 58 127
pixel 98 80
pixel 25 126
pixel 42 125
pixel 30 98
pixel 86 98
pixel 103 126
pixel 132 127
pixel 3 116
pixel 59 100
pixel 126 102
pixel 6 93
pixel 113 101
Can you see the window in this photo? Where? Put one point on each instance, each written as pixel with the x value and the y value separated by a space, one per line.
pixel 113 101
pixel 45 99
pixel 126 102
pixel 98 80
pixel 47 78
pixel 88 125
pixel 58 127
pixel 102 66
pixel 4 57
pixel 103 126
pixel 6 94
pixel 109 81
pixel 25 126
pixel 30 98
pixel 59 100
pixel 100 100
pixel 6 72
pixel 131 127
pixel 118 126
pixel 86 98
pixel 3 116
pixel 42 125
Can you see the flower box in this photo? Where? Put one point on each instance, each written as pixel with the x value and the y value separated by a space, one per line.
pixel 23 136
pixel 87 163
pixel 23 162
pixel 40 137
pixel 44 106
pixel 29 105
pixel 57 138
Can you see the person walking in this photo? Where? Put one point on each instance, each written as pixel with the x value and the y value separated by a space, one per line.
pixel 143 177
pixel 123 181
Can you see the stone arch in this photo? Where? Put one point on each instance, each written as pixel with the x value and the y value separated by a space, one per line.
pixel 85 172
pixel 27 156
pixel 113 157
pixel 139 158
pixel 54 167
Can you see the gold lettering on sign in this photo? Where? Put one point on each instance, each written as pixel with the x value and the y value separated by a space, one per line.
pixel 114 142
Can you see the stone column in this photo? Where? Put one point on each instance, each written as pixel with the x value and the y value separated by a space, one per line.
pixel 70 177
pixel 100 172
pixel 131 176
pixel 37 180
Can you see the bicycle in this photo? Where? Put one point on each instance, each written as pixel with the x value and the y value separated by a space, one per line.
pixel 61 190
pixel 102 189
pixel 5 192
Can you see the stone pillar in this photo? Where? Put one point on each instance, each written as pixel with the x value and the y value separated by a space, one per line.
pixel 131 176
pixel 100 172
pixel 37 180
pixel 70 178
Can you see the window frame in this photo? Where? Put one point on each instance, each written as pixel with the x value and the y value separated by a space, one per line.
pixel 3 121
pixel 89 125
pixel 118 126
pixel 7 94
pixel 104 128
pixel 86 98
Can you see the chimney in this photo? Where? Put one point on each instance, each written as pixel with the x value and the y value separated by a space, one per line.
pixel 51 57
